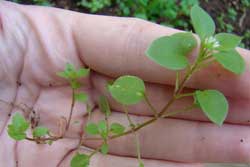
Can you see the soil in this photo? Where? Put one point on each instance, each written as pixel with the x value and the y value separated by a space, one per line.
pixel 215 8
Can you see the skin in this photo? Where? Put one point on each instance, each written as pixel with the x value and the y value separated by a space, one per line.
pixel 37 42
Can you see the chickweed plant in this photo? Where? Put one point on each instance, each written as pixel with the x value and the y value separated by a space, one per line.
pixel 169 52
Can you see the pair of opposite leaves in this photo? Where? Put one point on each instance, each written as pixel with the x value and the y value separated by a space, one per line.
pixel 171 51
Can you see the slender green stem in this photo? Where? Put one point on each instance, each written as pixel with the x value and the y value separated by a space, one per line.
pixel 44 139
pixel 89 111
pixel 138 147
pixel 137 142
pixel 177 81
pixel 94 152
pixel 107 124
pixel 186 78
pixel 169 114
pixel 151 106
pixel 71 109
pixel 131 124
pixel 184 95
pixel 208 57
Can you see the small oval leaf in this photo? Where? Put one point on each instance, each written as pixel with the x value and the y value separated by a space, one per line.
pixel 105 148
pixel 227 41
pixel 171 51
pixel 203 24
pixel 82 72
pixel 231 60
pixel 103 129
pixel 214 104
pixel 117 128
pixel 128 90
pixel 18 127
pixel 40 131
pixel 81 97
pixel 92 129
pixel 80 160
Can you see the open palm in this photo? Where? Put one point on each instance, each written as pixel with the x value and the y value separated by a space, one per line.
pixel 37 42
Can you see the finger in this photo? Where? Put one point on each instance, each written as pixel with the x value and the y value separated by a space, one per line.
pixel 100 160
pixel 182 141
pixel 159 94
pixel 116 46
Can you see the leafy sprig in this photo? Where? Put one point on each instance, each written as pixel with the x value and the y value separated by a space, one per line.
pixel 170 52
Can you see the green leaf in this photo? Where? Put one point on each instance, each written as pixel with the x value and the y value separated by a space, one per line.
pixel 82 72
pixel 75 84
pixel 102 126
pixel 80 160
pixel 104 105
pixel 92 129
pixel 82 97
pixel 40 131
pixel 203 24
pixel 227 41
pixel 128 90
pixel 171 51
pixel 71 73
pixel 231 60
pixel 69 68
pixel 63 75
pixel 14 134
pixel 105 148
pixel 103 129
pixel 214 104
pixel 117 128
pixel 18 127
pixel 141 164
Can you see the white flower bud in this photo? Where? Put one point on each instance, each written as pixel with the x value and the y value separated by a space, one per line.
pixel 211 43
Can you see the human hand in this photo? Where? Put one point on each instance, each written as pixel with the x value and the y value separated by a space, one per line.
pixel 37 42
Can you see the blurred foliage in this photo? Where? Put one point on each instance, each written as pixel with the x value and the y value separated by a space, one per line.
pixel 36 2
pixel 94 5
pixel 168 12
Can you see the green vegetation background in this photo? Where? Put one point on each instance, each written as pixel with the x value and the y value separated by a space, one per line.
pixel 230 15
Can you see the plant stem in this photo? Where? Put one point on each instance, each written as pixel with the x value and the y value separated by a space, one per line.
pixel 131 124
pixel 137 142
pixel 186 78
pixel 177 95
pixel 71 109
pixel 94 152
pixel 44 139
pixel 184 95
pixel 136 128
pixel 107 124
pixel 179 111
pixel 151 106
pixel 177 81
pixel 138 147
